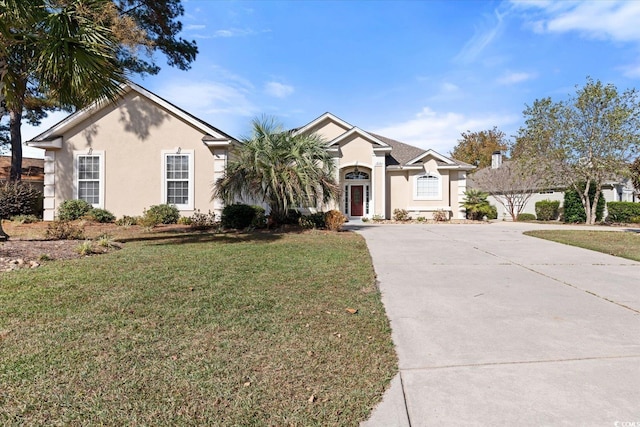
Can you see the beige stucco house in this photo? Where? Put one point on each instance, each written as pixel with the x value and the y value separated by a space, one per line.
pixel 143 151
pixel 378 175
pixel 129 155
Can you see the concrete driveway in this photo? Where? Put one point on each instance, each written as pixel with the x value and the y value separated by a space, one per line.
pixel 496 328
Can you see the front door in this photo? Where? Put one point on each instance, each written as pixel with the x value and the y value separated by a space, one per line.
pixel 356 200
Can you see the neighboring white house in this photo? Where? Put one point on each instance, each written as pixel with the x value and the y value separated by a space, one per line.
pixel 613 191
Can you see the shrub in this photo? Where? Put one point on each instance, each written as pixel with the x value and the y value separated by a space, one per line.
pixel 164 213
pixel 259 218
pixel 100 215
pixel 186 220
pixel 105 240
pixel 526 217
pixel 127 221
pixel 315 220
pixel 421 219
pixel 73 209
pixel 377 218
pixel 440 216
pixel 201 221
pixel 85 248
pixel 492 212
pixel 238 216
pixel 63 230
pixel 623 211
pixel 365 219
pixel 401 215
pixel 573 209
pixel 25 219
pixel 149 219
pixel 19 198
pixel 293 215
pixel 334 219
pixel 548 210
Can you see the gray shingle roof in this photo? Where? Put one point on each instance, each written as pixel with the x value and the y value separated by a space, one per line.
pixel 402 153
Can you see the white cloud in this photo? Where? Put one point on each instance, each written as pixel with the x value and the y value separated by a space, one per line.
pixel 202 98
pixel 195 27
pixel 440 131
pixel 483 37
pixel 278 90
pixel 608 20
pixel 510 78
pixel 631 71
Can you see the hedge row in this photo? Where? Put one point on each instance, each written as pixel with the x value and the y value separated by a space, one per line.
pixel 623 212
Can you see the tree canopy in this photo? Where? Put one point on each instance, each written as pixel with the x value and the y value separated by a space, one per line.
pixel 69 53
pixel 588 139
pixel 476 148
pixel 280 168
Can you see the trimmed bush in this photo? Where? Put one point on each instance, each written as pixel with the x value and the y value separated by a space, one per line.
pixel 492 212
pixel 401 215
pixel 623 211
pixel 526 217
pixel 163 214
pixel 573 209
pixel 334 219
pixel 19 198
pixel 259 218
pixel 315 220
pixel 548 210
pixel 73 209
pixel 100 215
pixel 238 216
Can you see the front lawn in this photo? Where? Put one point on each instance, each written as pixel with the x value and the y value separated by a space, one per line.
pixel 622 244
pixel 197 329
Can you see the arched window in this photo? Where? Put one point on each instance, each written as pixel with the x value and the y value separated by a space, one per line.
pixel 428 187
pixel 356 175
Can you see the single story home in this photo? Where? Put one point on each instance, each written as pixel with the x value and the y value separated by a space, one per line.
pixel 128 155
pixel 142 151
pixel 378 175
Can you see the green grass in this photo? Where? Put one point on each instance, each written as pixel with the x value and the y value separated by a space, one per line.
pixel 622 244
pixel 197 329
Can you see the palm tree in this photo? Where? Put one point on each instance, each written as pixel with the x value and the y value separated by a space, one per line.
pixel 476 204
pixel 280 168
pixel 54 54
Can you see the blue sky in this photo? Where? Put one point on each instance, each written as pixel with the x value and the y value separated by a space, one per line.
pixel 421 72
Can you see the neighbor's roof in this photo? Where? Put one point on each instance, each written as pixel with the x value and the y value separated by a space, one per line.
pixel 402 153
pixel 32 169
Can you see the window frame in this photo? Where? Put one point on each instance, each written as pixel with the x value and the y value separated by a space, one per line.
pixel 190 180
pixel 76 174
pixel 437 196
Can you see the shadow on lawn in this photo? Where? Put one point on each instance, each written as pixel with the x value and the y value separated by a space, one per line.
pixel 172 238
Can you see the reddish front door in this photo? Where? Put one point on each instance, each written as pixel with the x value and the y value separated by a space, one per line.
pixel 356 200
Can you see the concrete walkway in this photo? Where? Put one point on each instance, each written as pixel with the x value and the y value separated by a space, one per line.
pixel 496 328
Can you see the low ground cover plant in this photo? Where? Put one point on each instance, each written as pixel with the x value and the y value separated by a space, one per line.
pixel 526 217
pixel 64 230
pixel 154 334
pixel 100 215
pixel 401 215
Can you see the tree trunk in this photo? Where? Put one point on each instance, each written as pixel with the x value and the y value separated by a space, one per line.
pixel 3 236
pixel 584 196
pixel 15 123
pixel 4 68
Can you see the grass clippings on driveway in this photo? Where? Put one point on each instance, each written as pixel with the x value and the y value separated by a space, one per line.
pixel 197 329
pixel 617 243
